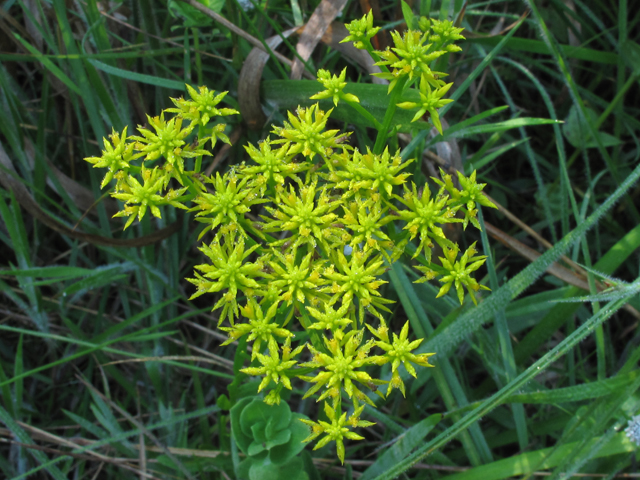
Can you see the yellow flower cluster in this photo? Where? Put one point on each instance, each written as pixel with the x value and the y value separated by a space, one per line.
pixel 301 235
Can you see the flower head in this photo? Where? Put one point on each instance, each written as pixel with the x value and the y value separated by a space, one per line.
pixel 231 200
pixel 261 327
pixel 399 351
pixel 430 101
pixel 361 31
pixel 443 31
pixel 272 165
pixel 167 140
pixel 466 198
pixel 371 173
pixel 358 277
pixel 459 272
pixel 333 87
pixel 116 156
pixel 306 133
pixel 366 220
pixel 336 429
pixel 306 214
pixel 138 197
pixel 276 367
pixel 331 319
pixel 202 107
pixel 424 214
pixel 228 270
pixel 341 367
pixel 295 280
pixel 410 57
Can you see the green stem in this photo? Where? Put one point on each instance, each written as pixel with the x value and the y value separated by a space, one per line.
pixel 196 48
pixel 599 331
pixel 374 54
pixel 388 116
pixel 607 111
pixel 198 165
pixel 363 111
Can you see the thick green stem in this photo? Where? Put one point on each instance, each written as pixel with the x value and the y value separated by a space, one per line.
pixel 383 133
pixel 374 54
pixel 198 165
pixel 363 111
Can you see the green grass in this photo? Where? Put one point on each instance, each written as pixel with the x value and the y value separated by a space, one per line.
pixel 107 370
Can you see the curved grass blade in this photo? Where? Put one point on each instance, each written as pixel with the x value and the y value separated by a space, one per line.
pixel 138 77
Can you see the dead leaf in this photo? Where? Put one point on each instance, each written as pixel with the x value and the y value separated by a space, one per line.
pixel 332 37
pixel 249 82
pixel 313 31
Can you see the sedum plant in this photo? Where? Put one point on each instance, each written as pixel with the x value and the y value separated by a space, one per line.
pixel 271 437
pixel 297 239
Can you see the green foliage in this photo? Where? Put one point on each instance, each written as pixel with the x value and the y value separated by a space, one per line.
pixel 271 437
pixel 576 130
pixel 190 16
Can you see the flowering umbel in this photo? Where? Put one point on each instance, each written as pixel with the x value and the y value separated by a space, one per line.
pixel 300 236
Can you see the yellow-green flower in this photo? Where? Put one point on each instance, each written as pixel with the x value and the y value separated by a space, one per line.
pixel 139 197
pixel 409 57
pixel 116 156
pixel 459 272
pixel 430 101
pixel 331 319
pixel 444 32
pixel 366 219
pixel 467 197
pixel 399 351
pixel 337 430
pixel 333 87
pixel 424 214
pixel 320 248
pixel 168 141
pixel 233 198
pixel 369 174
pixel 275 368
pixel 308 216
pixel 261 327
pixel 296 281
pixel 202 107
pixel 361 31
pixel 228 270
pixel 341 368
pixel 358 277
pixel 306 133
pixel 273 165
